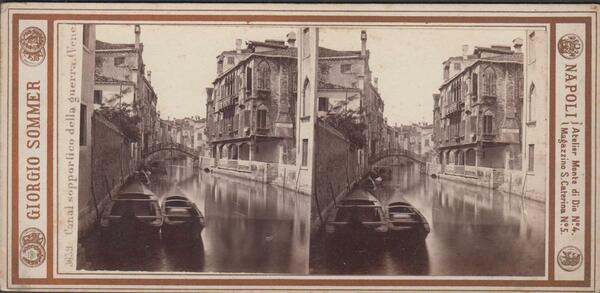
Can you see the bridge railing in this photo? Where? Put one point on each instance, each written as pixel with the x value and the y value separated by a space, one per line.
pixel 396 152
pixel 170 146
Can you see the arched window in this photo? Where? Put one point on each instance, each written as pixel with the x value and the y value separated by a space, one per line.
pixel 249 79
pixel 489 81
pixel 530 99
pixel 261 117
pixel 294 80
pixel 238 82
pixel 305 98
pixel 264 74
pixel 461 158
pixel 470 157
pixel 474 86
pixel 488 123
pixel 244 152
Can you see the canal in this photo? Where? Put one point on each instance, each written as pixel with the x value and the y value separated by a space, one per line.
pixel 250 227
pixel 474 232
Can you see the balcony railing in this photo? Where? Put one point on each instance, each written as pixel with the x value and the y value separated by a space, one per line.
pixel 488 136
pixel 453 108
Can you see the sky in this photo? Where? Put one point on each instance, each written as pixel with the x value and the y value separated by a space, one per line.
pixel 407 60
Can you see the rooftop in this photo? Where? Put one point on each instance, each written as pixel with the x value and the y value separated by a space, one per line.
pixel 332 86
pixel 100 45
pixel 501 54
pixel 105 79
pixel 288 52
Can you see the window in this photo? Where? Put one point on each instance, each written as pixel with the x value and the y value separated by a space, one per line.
pixel 474 88
pixel 230 60
pixel 530 99
pixel 236 122
pixel 446 72
pixel 119 61
pixel 264 76
pixel 98 97
pixel 86 35
pixel 346 68
pixel 249 79
pixel 488 121
pixel 305 98
pixel 199 136
pixel 531 49
pixel 238 82
pixel 246 118
pixel 220 67
pixel 473 125
pixel 531 158
pixel 305 43
pixel 294 80
pixel 456 66
pixel 426 142
pixel 305 152
pixel 82 125
pixel 261 118
pixel 228 85
pixel 489 82
pixel 323 104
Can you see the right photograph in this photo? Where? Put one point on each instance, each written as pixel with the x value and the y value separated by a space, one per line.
pixel 430 150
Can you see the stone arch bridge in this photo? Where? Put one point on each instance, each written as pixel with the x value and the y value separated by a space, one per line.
pixel 397 152
pixel 170 146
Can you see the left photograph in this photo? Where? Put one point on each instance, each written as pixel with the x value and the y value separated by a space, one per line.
pixel 188 150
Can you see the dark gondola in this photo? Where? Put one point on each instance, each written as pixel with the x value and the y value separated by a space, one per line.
pixel 134 214
pixel 406 222
pixel 183 220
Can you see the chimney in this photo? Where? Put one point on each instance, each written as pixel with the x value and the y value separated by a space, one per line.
pixel 518 44
pixel 149 76
pixel 291 39
pixel 238 46
pixel 209 91
pixel 376 83
pixel 137 31
pixel 465 51
pixel 363 40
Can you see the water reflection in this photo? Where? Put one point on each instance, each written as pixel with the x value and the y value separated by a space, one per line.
pixel 474 231
pixel 250 227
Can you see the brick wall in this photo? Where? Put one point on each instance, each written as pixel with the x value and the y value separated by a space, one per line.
pixel 337 169
pixel 111 164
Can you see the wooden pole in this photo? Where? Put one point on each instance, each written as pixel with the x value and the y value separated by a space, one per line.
pixel 284 176
pixel 331 191
pixel 107 186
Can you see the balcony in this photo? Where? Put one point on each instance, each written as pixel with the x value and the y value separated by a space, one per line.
pixel 227 102
pixel 233 133
pixel 454 108
pixel 262 131
pixel 488 136
pixel 488 99
pixel 263 93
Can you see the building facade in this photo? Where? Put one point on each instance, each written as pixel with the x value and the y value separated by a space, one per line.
pixel 188 131
pixel 535 114
pixel 121 78
pixel 477 114
pixel 86 110
pixel 254 102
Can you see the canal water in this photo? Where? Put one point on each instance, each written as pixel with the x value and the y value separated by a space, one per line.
pixel 474 232
pixel 250 227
